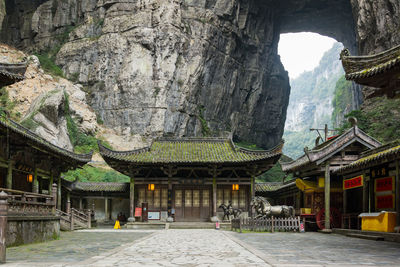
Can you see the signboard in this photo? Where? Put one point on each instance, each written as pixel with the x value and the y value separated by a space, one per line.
pixel 353 182
pixel 385 202
pixel 138 212
pixel 384 184
pixel 154 215
pixel 380 171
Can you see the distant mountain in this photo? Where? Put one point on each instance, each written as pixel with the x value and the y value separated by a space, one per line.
pixel 310 104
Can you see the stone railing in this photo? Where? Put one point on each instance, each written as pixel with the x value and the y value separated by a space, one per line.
pixel 21 203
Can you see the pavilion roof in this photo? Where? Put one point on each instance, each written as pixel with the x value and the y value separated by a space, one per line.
pixel 271 186
pixel 11 73
pixel 191 150
pixel 324 151
pixel 97 186
pixel 39 143
pixel 373 157
pixel 373 70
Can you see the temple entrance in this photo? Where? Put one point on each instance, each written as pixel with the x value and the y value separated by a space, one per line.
pixel 192 203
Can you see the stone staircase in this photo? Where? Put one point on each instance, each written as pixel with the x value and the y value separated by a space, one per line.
pixel 75 220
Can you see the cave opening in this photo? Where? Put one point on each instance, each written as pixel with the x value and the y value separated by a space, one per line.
pixel 314 70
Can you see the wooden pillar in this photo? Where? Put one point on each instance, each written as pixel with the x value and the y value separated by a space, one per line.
pixel 54 194
pixel 80 203
pixel 59 192
pixel 51 182
pixel 9 174
pixel 35 183
pixel 132 200
pixel 106 208
pixel 327 196
pixel 68 207
pixel 252 189
pixel 344 201
pixel 3 225
pixel 214 197
pixel 397 193
pixel 169 205
pixel 365 195
pixel 371 184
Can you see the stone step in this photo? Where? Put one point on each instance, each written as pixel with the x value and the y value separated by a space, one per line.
pixel 369 237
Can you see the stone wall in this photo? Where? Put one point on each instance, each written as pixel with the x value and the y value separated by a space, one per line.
pixel 25 230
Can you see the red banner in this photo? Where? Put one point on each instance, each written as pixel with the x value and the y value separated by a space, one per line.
pixel 384 202
pixel 138 212
pixel 384 184
pixel 353 182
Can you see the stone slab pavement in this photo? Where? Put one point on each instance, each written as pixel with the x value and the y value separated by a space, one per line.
pixel 72 247
pixel 317 249
pixel 204 247
pixel 191 247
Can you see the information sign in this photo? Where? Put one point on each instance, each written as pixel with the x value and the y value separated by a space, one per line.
pixel 353 182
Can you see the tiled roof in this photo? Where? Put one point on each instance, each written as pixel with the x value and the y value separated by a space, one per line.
pixel 357 67
pixel 10 73
pixel 100 187
pixel 191 150
pixel 322 152
pixel 271 186
pixel 374 158
pixel 25 133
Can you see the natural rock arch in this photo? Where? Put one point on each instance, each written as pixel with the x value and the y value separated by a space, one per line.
pixel 192 67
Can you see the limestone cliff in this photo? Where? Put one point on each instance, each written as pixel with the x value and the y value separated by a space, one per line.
pixel 190 67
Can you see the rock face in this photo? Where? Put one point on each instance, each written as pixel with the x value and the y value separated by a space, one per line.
pixel 190 67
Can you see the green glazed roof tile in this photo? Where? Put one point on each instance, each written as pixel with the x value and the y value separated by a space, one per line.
pixel 193 150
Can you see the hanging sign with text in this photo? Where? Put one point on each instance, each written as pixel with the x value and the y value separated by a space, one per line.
pixel 353 182
pixel 384 202
pixel 384 184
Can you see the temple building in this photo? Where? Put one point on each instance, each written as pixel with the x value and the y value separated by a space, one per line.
pixel 30 169
pixel 373 181
pixel 187 179
pixel 11 73
pixel 381 71
pixel 319 190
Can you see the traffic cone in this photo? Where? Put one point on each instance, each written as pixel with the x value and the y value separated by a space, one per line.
pixel 117 225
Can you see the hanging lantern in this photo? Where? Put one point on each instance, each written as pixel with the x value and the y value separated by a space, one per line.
pixel 150 187
pixel 29 178
pixel 235 187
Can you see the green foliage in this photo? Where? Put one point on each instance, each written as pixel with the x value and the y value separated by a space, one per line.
pixel 74 77
pixel 47 58
pixel 275 174
pixel 342 98
pixel 296 141
pixel 156 91
pixel 205 130
pixel 82 142
pixel 48 64
pixel 5 103
pixel 380 118
pixel 247 145
pixel 92 174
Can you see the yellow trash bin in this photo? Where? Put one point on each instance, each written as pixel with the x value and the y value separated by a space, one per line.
pixel 383 221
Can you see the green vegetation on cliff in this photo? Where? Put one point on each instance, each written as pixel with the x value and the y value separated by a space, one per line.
pixel 379 117
pixel 341 100
pixel 92 174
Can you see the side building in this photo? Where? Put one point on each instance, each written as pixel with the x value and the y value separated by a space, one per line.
pixel 30 169
pixel 320 188
pixel 187 179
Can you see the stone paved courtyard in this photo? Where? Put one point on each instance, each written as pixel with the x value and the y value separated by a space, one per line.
pixel 204 248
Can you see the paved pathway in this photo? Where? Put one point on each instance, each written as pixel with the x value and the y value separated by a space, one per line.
pixel 316 249
pixel 72 247
pixel 204 248
pixel 181 248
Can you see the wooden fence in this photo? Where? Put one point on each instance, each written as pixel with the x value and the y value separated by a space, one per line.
pixel 269 225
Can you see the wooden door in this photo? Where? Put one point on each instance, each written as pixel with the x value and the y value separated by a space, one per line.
pixel 192 204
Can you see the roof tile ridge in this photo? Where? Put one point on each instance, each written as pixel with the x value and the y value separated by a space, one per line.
pixel 274 150
pixel 106 150
pixel 23 130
